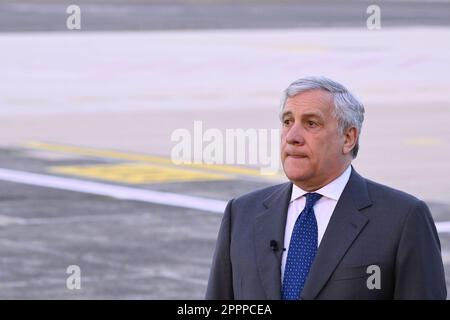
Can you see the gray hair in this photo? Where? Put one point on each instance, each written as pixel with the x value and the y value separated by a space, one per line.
pixel 348 110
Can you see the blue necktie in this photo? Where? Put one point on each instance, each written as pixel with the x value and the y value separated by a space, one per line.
pixel 302 250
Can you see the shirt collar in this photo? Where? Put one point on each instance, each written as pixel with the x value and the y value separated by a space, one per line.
pixel 333 190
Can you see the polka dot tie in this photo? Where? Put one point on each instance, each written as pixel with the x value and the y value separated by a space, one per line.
pixel 302 250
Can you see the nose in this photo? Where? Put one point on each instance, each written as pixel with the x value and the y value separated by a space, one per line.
pixel 294 135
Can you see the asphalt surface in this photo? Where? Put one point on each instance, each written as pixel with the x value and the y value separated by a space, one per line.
pixel 193 15
pixel 122 93
pixel 125 249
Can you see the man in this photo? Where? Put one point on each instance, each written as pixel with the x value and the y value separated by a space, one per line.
pixel 329 233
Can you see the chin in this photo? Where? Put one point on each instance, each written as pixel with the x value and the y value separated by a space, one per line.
pixel 296 174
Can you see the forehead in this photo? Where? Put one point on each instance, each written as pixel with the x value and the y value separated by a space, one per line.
pixel 312 101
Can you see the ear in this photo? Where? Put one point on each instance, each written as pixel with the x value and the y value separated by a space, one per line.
pixel 350 138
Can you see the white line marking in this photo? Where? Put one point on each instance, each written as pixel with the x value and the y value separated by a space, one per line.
pixel 7 220
pixel 126 193
pixel 119 192
pixel 443 226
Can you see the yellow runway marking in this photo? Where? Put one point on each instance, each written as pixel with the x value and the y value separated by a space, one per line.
pixel 144 169
pixel 136 157
pixel 136 173
pixel 424 142
pixel 306 49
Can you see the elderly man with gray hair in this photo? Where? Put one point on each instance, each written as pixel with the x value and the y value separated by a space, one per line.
pixel 329 233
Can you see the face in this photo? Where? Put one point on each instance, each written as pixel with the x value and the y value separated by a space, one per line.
pixel 313 151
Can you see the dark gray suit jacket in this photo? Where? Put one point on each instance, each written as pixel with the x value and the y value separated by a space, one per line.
pixel 371 225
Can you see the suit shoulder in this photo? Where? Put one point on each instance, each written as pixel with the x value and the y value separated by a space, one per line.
pixel 390 195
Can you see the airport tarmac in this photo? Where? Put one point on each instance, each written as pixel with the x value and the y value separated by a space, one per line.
pixel 86 121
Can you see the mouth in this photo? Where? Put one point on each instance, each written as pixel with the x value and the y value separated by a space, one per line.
pixel 297 156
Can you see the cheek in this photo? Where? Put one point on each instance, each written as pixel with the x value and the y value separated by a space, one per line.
pixel 283 145
pixel 332 149
pixel 321 149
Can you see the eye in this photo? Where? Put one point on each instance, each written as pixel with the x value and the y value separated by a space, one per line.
pixel 287 122
pixel 311 124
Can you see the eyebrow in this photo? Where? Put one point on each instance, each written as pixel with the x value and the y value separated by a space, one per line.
pixel 312 114
pixel 286 113
pixel 304 115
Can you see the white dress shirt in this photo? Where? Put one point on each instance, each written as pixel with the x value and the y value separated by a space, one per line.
pixel 323 209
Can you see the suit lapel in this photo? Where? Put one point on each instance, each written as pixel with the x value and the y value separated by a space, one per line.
pixel 270 225
pixel 345 225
